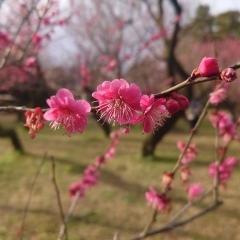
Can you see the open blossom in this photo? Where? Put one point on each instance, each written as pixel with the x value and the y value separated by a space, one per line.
pixel 154 113
pixel 118 101
pixel 158 201
pixel 66 111
pixel 217 96
pixel 195 190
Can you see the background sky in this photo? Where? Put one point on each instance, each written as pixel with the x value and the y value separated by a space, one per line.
pixel 220 6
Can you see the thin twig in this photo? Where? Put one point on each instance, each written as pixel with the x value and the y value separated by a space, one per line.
pixel 180 223
pixel 187 206
pixel 30 195
pixel 58 196
pixel 68 215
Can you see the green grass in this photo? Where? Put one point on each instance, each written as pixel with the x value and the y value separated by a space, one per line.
pixel 117 203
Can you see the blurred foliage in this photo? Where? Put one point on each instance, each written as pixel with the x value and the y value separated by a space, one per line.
pixel 207 27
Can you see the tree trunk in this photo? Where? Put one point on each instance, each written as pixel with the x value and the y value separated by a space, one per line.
pixel 149 145
pixel 11 133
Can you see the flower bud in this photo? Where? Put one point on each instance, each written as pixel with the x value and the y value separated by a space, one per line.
pixel 228 75
pixel 208 67
pixel 167 179
pixel 172 106
pixel 182 100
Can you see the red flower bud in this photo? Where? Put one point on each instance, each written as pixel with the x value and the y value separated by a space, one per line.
pixel 208 67
pixel 172 106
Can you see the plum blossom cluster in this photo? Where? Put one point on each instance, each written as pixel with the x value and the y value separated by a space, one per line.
pixel 194 189
pixel 90 179
pixel 218 96
pixel 159 202
pixel 92 173
pixel 121 102
pixel 190 154
pixel 223 122
pixel 224 170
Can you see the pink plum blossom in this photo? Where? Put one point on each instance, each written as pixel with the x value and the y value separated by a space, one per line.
pixel 110 153
pixel 29 63
pixel 77 187
pixel 90 178
pixel 208 66
pixel 217 96
pixel 66 111
pixel 223 122
pixel 154 113
pixel 195 190
pixel 190 153
pixel 158 201
pixel 220 119
pixel 100 161
pixel 224 169
pixel 4 40
pixel 118 101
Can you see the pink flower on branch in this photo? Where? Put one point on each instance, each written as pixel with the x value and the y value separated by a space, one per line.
pixel 228 75
pixel 217 96
pixel 190 154
pixel 195 190
pixel 118 101
pixel 159 202
pixel 154 113
pixel 220 119
pixel 207 67
pixel 77 187
pixel 224 169
pixel 66 111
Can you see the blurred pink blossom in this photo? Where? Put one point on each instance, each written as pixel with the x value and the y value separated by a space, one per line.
pixel 158 201
pixel 190 154
pixel 4 40
pixel 75 187
pixel 224 169
pixel 217 96
pixel 195 190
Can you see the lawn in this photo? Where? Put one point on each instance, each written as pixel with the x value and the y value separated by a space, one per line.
pixel 117 203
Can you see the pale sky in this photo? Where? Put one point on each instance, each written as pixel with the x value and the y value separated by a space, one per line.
pixel 220 6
